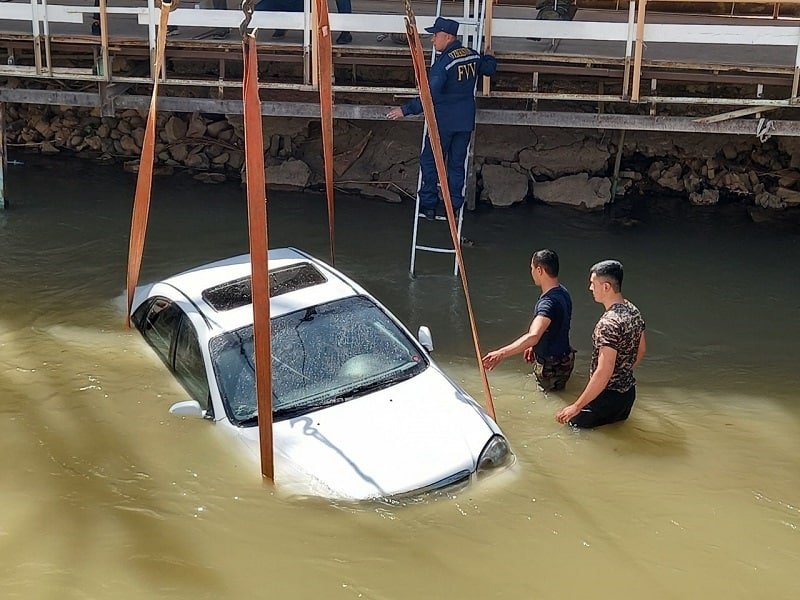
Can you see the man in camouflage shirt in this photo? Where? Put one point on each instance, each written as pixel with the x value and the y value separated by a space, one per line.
pixel 618 345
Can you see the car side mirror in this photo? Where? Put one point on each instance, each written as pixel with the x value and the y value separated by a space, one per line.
pixel 424 337
pixel 187 408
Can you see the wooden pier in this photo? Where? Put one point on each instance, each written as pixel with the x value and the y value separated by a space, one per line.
pixel 625 66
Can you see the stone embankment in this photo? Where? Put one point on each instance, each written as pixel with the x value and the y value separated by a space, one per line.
pixel 512 164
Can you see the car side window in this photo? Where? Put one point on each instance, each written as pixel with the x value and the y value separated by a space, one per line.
pixel 159 326
pixel 189 366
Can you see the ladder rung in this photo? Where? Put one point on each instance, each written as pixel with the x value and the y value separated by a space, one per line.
pixel 432 249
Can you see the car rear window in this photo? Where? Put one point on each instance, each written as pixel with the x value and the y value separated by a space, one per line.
pixel 234 294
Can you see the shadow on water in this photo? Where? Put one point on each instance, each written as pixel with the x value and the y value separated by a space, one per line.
pixel 95 483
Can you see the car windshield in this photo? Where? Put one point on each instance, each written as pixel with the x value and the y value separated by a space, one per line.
pixel 321 355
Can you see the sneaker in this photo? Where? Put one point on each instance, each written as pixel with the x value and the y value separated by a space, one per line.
pixel 279 33
pixel 172 30
pixel 344 38
pixel 428 213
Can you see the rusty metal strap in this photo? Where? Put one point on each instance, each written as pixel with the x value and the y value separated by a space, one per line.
pixel 144 180
pixel 418 60
pixel 325 77
pixel 255 181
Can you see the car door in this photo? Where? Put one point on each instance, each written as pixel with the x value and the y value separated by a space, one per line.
pixel 189 366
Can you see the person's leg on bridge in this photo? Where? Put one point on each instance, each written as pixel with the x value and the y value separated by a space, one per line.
pixel 428 190
pixel 456 154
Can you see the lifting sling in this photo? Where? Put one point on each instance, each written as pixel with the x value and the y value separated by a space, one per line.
pixel 421 74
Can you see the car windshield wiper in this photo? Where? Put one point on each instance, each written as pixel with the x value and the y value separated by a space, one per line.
pixel 295 410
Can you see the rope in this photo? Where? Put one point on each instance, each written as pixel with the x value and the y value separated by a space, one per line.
pixel 144 180
pixel 325 72
pixel 258 229
pixel 418 60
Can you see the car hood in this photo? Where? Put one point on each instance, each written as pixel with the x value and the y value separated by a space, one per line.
pixel 422 432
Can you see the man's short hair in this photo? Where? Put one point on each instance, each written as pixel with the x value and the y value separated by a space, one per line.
pixel 610 270
pixel 548 260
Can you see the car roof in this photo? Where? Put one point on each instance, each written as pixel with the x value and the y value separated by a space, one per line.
pixel 194 282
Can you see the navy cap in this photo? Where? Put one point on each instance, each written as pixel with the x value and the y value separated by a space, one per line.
pixel 442 24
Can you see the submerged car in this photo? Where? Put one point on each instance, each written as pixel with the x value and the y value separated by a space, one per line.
pixel 359 408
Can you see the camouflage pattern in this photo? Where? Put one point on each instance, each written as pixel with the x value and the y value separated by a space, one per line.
pixel 554 373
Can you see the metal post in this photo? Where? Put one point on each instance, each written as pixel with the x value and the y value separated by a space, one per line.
pixel 3 161
pixel 617 163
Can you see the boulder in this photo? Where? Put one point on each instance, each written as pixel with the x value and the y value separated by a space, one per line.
pixel 707 197
pixel 174 130
pixel 671 178
pixel 179 152
pixel 291 173
pixel 198 160
pixel 214 129
pixel 575 190
pixel 503 186
pixel 210 177
pixel 129 145
pixel 197 126
pixel 584 155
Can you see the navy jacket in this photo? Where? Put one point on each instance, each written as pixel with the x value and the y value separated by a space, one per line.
pixel 452 81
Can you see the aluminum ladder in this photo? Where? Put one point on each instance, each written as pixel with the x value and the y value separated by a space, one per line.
pixel 471 36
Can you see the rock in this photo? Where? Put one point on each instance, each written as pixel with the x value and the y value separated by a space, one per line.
pixel 129 145
pixel 586 155
pixel 197 160
pixel 654 172
pixel 213 150
pixel 103 130
pixel 789 197
pixel 124 127
pixel 174 130
pixel 236 159
pixel 373 191
pixel 274 145
pixel 760 157
pixel 179 152
pixel 767 200
pixel 94 142
pixel 163 170
pixel 754 180
pixel 49 148
pixel 503 186
pixel 707 197
pixel 575 190
pixel 115 134
pixel 671 178
pixel 632 175
pixel 138 136
pixel 197 126
pixel 130 112
pixel 214 129
pixel 286 147
pixel 221 159
pixel 291 173
pixel 226 135
pixel 131 166
pixel 75 141
pixel 210 177
pixel 729 151
pixel 44 128
pixel 163 157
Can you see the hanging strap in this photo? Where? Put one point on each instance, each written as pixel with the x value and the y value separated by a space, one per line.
pixel 324 71
pixel 255 181
pixel 144 180
pixel 418 60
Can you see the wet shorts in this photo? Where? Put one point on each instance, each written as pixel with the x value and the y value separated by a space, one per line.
pixel 553 373
pixel 609 407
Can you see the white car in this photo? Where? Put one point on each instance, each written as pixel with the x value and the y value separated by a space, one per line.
pixel 360 410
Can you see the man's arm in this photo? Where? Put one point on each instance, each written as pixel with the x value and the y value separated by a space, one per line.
pixel 596 384
pixel 641 351
pixel 538 326
pixel 488 64
pixel 436 80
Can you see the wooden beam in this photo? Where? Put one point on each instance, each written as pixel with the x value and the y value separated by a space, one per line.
pixel 637 57
pixel 735 114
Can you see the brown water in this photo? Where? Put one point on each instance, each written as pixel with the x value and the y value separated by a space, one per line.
pixel 105 495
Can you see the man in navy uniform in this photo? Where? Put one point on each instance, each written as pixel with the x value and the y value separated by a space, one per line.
pixel 452 80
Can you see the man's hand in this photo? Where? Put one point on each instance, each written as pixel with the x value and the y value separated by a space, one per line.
pixel 395 113
pixel 566 413
pixel 491 360
pixel 528 355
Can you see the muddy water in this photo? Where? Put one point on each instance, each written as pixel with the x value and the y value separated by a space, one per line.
pixel 105 495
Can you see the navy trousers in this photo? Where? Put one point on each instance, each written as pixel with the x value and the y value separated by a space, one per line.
pixel 344 7
pixel 454 147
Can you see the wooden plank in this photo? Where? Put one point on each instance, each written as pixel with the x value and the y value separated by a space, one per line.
pixel 735 114
pixel 637 58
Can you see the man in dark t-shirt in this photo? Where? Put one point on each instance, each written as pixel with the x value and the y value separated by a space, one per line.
pixel 546 344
